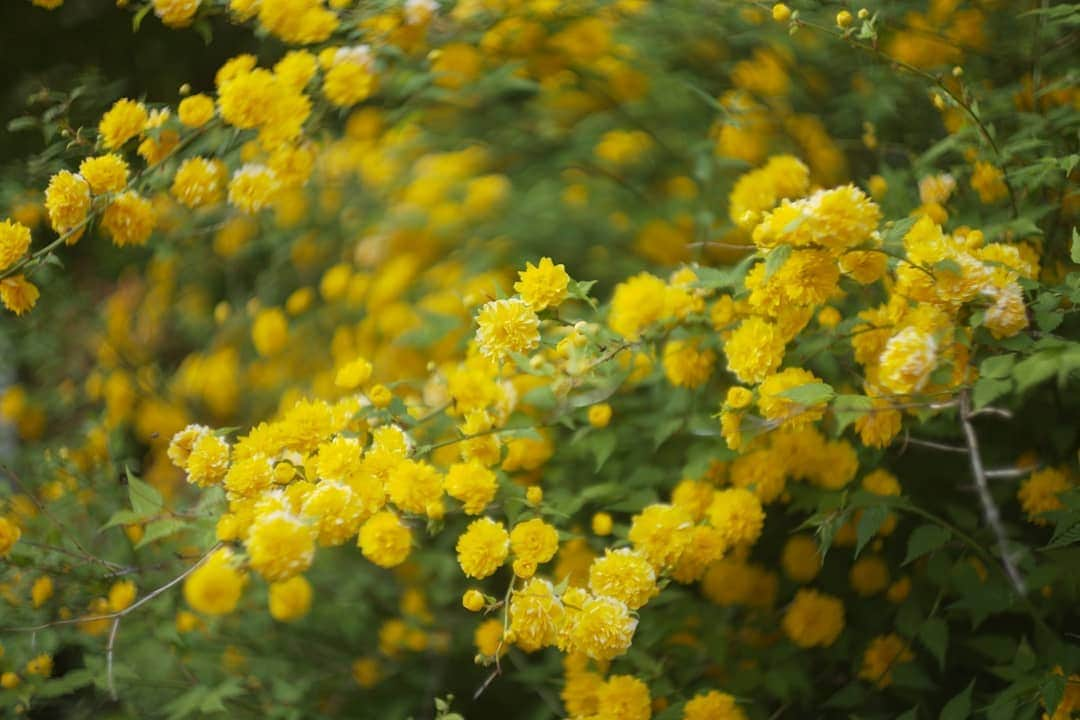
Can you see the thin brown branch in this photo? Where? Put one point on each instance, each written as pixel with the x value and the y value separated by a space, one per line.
pixel 990 509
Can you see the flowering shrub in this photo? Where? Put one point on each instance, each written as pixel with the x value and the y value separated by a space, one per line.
pixel 600 360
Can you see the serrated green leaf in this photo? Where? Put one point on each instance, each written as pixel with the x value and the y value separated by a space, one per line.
pixel 159 529
pixel 776 259
pixel 1074 251
pixel 999 366
pixel 1064 535
pixel 849 408
pixel 925 539
pixel 869 523
pixel 602 444
pixel 145 499
pixel 810 393
pixel 988 389
pixel 934 634
pixel 959 708
pixel 122 517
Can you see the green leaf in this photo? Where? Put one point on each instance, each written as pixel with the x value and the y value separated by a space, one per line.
pixel 1052 691
pixel 136 21
pixel 67 683
pixel 145 499
pixel 999 366
pixel 849 408
pixel 948 265
pixel 122 517
pixel 894 233
pixel 988 389
pixel 603 444
pixel 959 707
pixel 810 393
pixel 1064 535
pixel 934 634
pixel 159 529
pixel 665 429
pixel 869 523
pixel 925 539
pixel 1074 252
pixel 776 259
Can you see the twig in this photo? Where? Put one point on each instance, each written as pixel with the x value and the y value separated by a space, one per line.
pixel 114 568
pixel 990 510
pixel 109 657
pixel 119 613
pixel 1007 473
pixel 908 440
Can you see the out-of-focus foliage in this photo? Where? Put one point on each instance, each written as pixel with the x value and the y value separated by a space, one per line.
pixel 602 360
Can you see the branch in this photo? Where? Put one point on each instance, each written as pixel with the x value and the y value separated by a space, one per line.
pixel 119 613
pixel 990 510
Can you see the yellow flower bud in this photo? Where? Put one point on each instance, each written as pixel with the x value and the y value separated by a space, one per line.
pixel 781 12
pixel 473 600
pixel 601 524
pixel 844 19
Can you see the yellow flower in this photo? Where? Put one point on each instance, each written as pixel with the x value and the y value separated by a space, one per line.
pixel 270 332
pixel 907 361
pixel 989 182
pixel 844 19
pixel 214 587
pixel 252 187
pixel 67 200
pixel 471 483
pixel 365 671
pixel 800 558
pixel 176 13
pixel 121 595
pixel 883 654
pixel 625 575
pixel 754 350
pixel 686 364
pixel 482 548
pixel 385 540
pixel 353 374
pixel 290 600
pixel 600 415
pixel 473 600
pixel 536 614
pixel 781 12
pixel 351 78
pixel 414 486
pixel 18 294
pixel 124 120
pixel 199 182
pixel 488 638
pixel 813 619
pixel 543 285
pixel 507 326
pixel 636 304
pixel 41 591
pixel 10 680
pixel 602 524
pixel 9 535
pixel 738 515
pixel 601 627
pixel 14 242
pixel 129 219
pixel 623 697
pixel 714 705
pixel 208 460
pixel 869 575
pixel 456 64
pixel 1039 493
pixel 280 546
pixel 105 173
pixel 661 533
pixel 533 543
pixel 41 665
pixel 196 110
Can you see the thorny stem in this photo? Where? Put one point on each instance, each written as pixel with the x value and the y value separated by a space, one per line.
pixel 990 510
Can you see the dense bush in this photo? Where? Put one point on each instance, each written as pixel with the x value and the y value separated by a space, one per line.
pixel 521 358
